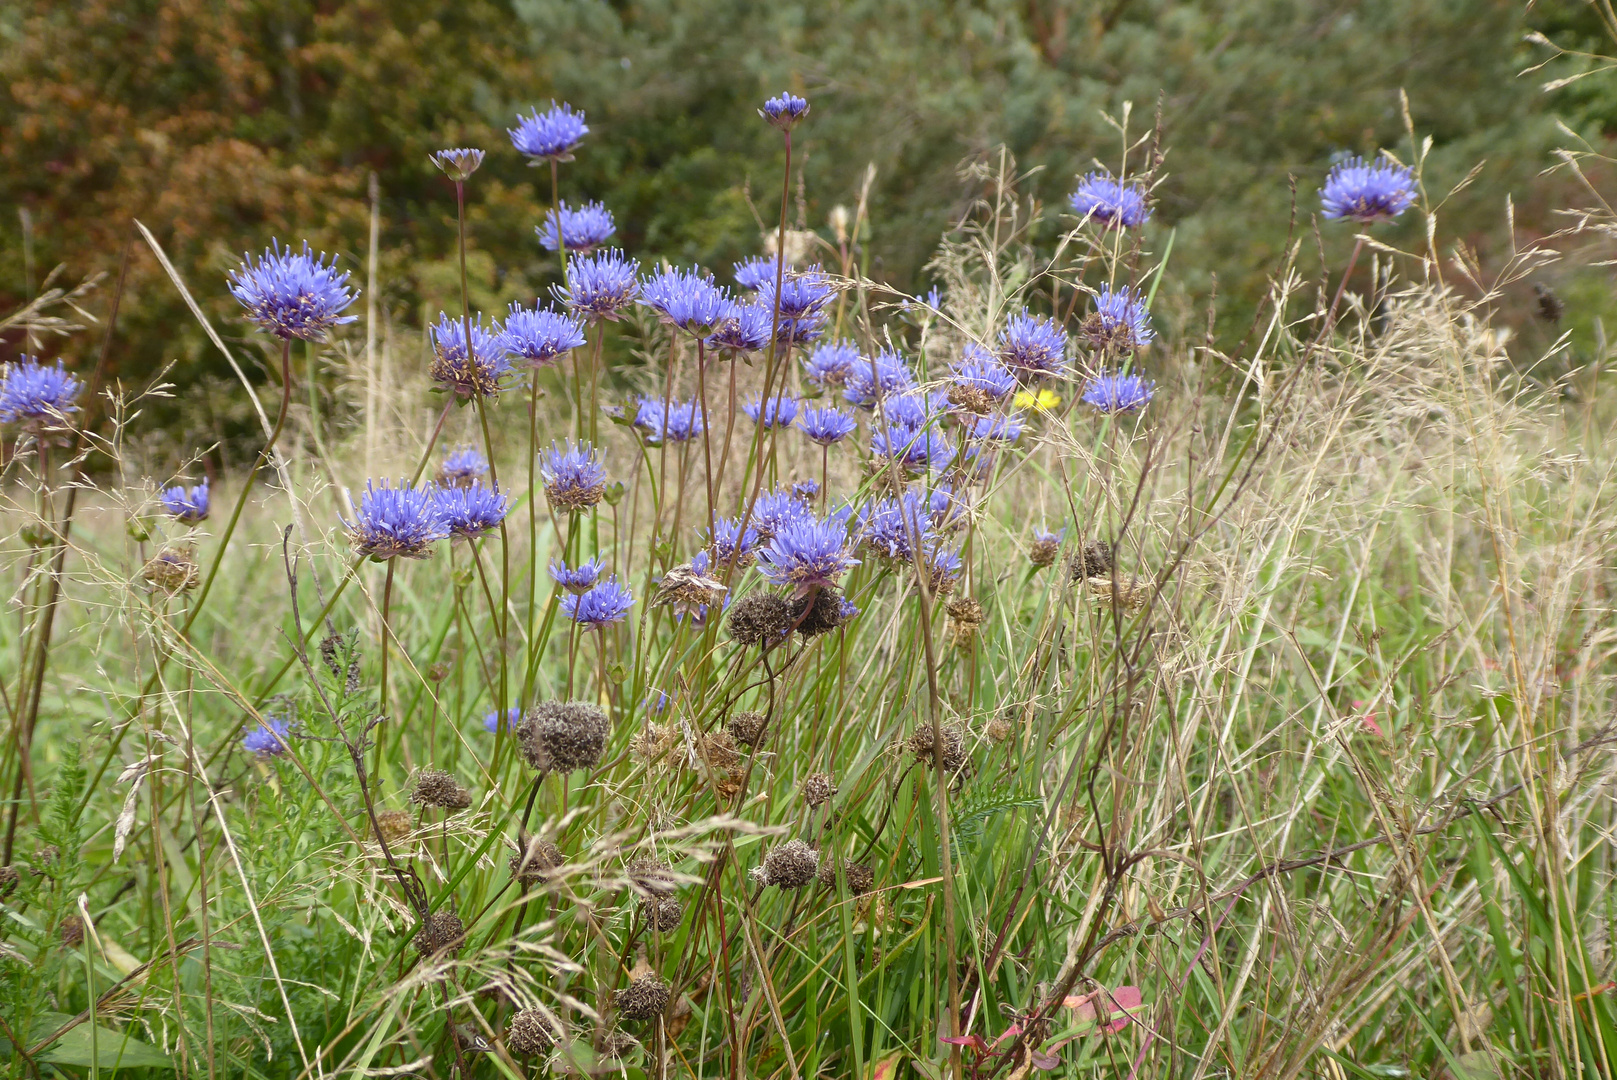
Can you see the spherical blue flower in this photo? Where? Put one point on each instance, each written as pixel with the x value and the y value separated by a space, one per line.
pixel 462 466
pixel 458 164
pixel 913 410
pixel 944 567
pixel 186 505
pixel 944 509
pixel 979 380
pixel 744 330
pixel 688 299
pixel 806 491
pixel 1118 393
pixel 1114 204
pixel 1033 347
pixel 784 110
pixel 1367 192
pixel 778 411
pixel 34 392
pixel 774 510
pixel 539 336
pixel 599 286
pixel 471 511
pixel 728 542
pixel 549 136
pixel 803 293
pixel 827 426
pixel 574 477
pixel 584 229
pixel 870 379
pixel 577 579
pixel 1120 321
pixel 493 722
pixel 829 364
pixel 679 421
pixel 807 554
pixel 396 521
pixel 477 376
pixel 998 428
pixel 753 273
pixel 893 527
pixel 292 294
pixel 269 739
pixel 912 450
pixel 608 602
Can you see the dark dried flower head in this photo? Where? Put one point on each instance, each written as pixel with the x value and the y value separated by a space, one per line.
pixel 172 570
pixel 818 789
pixel 791 865
pixel 650 877
pixel 861 878
pixel 655 744
pixel 72 931
pixel 718 750
pixel 998 730
pixel 644 998
pixel 663 914
pixel 747 728
pixel 563 736
pixel 1094 561
pixel 436 788
pixel 688 587
pixel 828 612
pixel 761 619
pixel 965 616
pixel 395 825
pixel 1045 548
pixel 530 1031
pixel 954 748
pixel 442 932
pixel 537 859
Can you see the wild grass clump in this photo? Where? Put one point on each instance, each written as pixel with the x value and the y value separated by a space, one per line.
pixel 797 678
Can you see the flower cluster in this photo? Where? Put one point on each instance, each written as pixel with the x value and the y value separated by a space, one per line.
pixel 829 364
pixel 468 372
pixel 574 478
pixel 292 294
pixel 1118 393
pixel 187 505
pixel 1365 192
pixel 784 111
pixel 459 163
pixel 461 467
pixel 688 299
pixel 778 411
pixel 1033 347
pixel 1111 202
pixel 1120 321
pixel 602 604
pixel 37 393
pixel 599 286
pixel 806 554
pixel 577 579
pixel 549 136
pixel 538 336
pixel 583 229
pixel 397 521
pixel 676 421
pixel 469 512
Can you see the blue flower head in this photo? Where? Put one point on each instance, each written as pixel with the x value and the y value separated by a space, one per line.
pixel 269 739
pixel 605 603
pixel 744 330
pixel 1033 347
pixel 537 337
pixel 1120 321
pixel 292 294
pixel 827 426
pixel 944 568
pixel 830 363
pixel 913 450
pixel 479 374
pixel 397 521
pixel 979 380
pixel 459 163
pixel 577 579
pixel 599 286
pixel 752 274
pixel 806 491
pixel 774 510
pixel 471 511
pixel 493 722
pixel 807 554
pixel 584 229
pixel 870 379
pixel 678 421
pixel 1114 204
pixel 688 299
pixel 1006 429
pixel 804 296
pixel 186 505
pixel 574 477
pixel 728 542
pixel 1118 393
pixel 912 411
pixel 778 411
pixel 37 393
pixel 549 136
pixel 462 466
pixel 784 110
pixel 1367 192
pixel 892 527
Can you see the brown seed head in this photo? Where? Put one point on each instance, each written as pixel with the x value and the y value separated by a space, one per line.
pixel 649 877
pixel 72 931
pixel 719 750
pixel 1094 561
pixel 563 736
pixel 824 616
pixel 642 999
pixel 973 399
pixel 537 859
pixel 818 789
pixel 442 932
pixel 434 787
pixel 760 619
pixel 172 570
pixel 861 878
pixel 662 914
pixel 747 728
pixel 395 825
pixel 954 749
pixel 1043 552
pixel 530 1031
pixel 791 865
pixel 998 729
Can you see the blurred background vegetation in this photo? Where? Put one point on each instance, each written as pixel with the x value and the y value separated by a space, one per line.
pixel 223 123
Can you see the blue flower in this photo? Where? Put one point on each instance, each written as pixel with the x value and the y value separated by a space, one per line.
pixel 186 505
pixel 744 330
pixel 1120 321
pixel 458 164
pixel 943 509
pixel 1367 193
pixel 1118 393
pixel 396 521
pixel 292 294
pixel 827 426
pixel 473 510
pixel 539 336
pixel 979 380
pixel 31 391
pixel 804 295
pixel 807 554
pixel 601 285
pixel 493 723
pixel 271 738
pixel 774 510
pixel 1116 205
pixel 784 110
pixel 912 411
pixel 549 136
pixel 584 229
pixel 998 428
pixel 688 299
pixel 778 411
pixel 1033 347
pixel 913 450
pixel 577 579
pixel 461 466
pixel 869 379
pixel 729 542
pixel 829 364
pixel 892 527
pixel 683 419
pixel 806 491
pixel 574 477
pixel 753 273
pixel 943 568
pixel 1041 535
pixel 450 368
pixel 608 602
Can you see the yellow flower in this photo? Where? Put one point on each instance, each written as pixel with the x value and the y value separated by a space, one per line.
pixel 1045 400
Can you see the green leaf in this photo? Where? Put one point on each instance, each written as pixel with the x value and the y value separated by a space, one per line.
pixel 108 1050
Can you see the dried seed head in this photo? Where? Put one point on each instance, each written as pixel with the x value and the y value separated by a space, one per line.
pixel 434 787
pixel 973 399
pixel 662 914
pixel 530 1032
pixel 791 865
pixel 719 750
pixel 689 590
pixel 328 654
pixel 818 789
pixel 72 931
pixel 998 729
pixel 172 570
pixel 1125 594
pixel 439 671
pixel 537 859
pixel 642 999
pixel 828 612
pixel 563 736
pixel 954 748
pixel 1094 561
pixel 747 728
pixel 760 619
pixel 395 825
pixel 442 932
pixel 965 616
pixel 861 878
pixel 1044 550
pixel 615 1044
pixel 728 785
pixel 649 877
